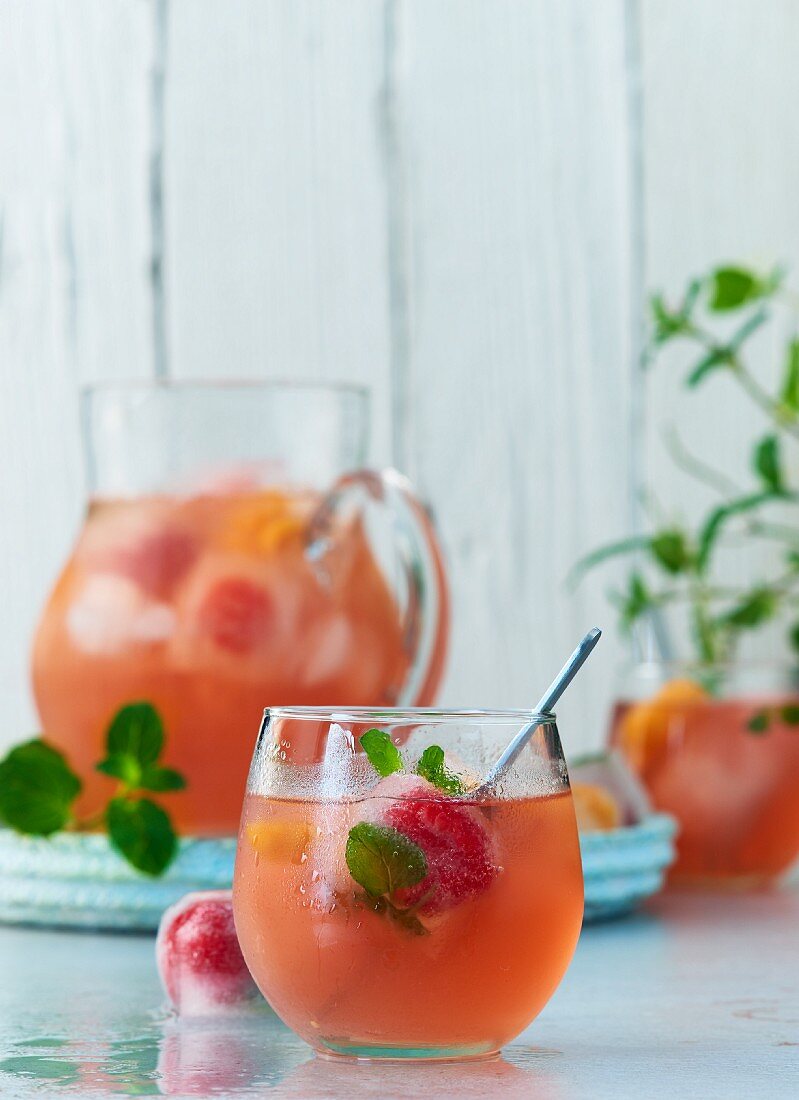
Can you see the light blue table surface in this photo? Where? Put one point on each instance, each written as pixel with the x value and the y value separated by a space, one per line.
pixel 698 998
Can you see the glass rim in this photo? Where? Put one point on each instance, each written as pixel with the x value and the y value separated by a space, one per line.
pixel 412 715
pixel 183 385
pixel 654 664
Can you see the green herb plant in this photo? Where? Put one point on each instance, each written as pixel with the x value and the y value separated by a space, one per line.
pixel 381 859
pixel 38 790
pixel 676 564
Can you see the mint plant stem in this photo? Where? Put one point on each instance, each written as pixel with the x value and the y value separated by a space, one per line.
pixel 719 613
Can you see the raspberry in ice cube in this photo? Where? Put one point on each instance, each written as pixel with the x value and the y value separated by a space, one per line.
pixel 455 843
pixel 148 546
pixel 158 560
pixel 198 956
pixel 237 614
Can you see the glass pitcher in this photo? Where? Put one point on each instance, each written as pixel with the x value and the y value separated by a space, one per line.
pixel 235 554
pixel 717 746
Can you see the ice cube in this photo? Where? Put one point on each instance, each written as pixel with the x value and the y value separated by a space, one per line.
pixel 328 646
pixel 336 778
pixel 154 623
pixel 111 612
pixel 199 959
pixel 390 790
pixel 145 543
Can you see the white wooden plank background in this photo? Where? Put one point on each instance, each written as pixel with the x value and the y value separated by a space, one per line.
pixel 721 172
pixel 438 198
pixel 74 302
pixel 275 194
pixel 513 137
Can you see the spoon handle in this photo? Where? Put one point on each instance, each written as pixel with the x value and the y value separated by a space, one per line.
pixel 569 671
pixel 545 705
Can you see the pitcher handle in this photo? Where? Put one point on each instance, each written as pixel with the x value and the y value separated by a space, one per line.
pixel 426 626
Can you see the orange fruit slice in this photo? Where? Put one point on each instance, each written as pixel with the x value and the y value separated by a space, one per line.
pixel 264 524
pixel 596 809
pixel 681 691
pixel 646 727
pixel 280 841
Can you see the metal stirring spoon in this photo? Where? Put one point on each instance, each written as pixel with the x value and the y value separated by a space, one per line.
pixel 544 708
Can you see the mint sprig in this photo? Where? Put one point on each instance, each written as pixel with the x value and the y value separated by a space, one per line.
pixel 38 790
pixel 386 759
pixel 134 742
pixel 715 321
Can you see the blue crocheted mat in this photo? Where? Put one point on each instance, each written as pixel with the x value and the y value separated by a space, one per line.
pixel 78 881
pixel 622 867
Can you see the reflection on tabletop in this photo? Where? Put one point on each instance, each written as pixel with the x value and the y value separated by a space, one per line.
pixel 217 1058
pixel 251 1055
pixel 321 1079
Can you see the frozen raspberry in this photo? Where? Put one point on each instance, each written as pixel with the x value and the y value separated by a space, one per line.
pixel 456 846
pixel 237 614
pixel 155 561
pixel 206 1058
pixel 198 955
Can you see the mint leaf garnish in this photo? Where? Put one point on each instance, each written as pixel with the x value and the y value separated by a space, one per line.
pixel 671 551
pixel 137 731
pixel 767 463
pixel 141 832
pixel 123 767
pixel 759 722
pixel 789 391
pixel 37 789
pixel 635 602
pixel 156 778
pixel 431 767
pixel 405 918
pixel 732 287
pixel 383 860
pixel 754 608
pixel 384 756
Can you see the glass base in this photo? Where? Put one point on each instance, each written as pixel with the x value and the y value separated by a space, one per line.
pixel 373 1052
